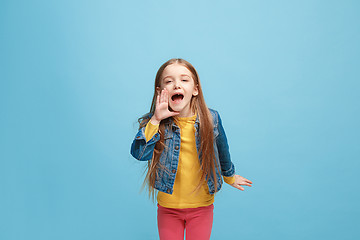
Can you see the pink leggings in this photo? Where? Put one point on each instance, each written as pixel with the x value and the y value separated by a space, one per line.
pixel 173 221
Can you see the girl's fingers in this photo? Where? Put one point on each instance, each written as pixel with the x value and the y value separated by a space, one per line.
pixel 174 113
pixel 246 180
pixel 241 188
pixel 246 184
pixel 239 181
pixel 157 100
pixel 166 96
pixel 162 96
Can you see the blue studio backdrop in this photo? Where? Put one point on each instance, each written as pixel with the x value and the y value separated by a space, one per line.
pixel 76 75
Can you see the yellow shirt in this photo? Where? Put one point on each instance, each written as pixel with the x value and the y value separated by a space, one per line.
pixel 188 172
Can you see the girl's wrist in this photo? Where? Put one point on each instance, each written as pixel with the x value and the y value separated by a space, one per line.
pixel 154 121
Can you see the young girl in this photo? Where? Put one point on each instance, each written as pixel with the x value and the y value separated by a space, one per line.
pixel 187 152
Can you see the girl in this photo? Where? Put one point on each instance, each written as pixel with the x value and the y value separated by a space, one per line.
pixel 187 152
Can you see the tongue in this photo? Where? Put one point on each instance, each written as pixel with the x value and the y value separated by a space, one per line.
pixel 177 98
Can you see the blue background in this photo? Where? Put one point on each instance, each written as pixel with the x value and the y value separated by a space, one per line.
pixel 76 75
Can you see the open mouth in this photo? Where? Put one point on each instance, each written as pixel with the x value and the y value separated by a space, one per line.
pixel 177 98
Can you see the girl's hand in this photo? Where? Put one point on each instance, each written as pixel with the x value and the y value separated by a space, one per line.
pixel 162 108
pixel 239 180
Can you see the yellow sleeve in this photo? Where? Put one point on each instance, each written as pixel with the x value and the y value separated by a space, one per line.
pixel 150 130
pixel 229 180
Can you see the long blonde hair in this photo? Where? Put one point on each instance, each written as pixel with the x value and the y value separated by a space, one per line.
pixel 198 105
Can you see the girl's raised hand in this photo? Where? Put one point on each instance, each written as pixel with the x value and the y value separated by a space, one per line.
pixel 162 108
pixel 239 180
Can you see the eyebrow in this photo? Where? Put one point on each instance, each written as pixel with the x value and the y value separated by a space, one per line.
pixel 183 75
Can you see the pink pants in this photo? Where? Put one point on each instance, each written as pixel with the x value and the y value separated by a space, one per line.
pixel 173 221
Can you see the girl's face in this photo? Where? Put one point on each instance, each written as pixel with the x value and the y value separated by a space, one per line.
pixel 178 81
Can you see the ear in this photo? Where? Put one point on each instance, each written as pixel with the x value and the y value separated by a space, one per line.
pixel 158 90
pixel 196 91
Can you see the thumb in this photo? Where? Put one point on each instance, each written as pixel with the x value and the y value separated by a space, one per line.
pixel 174 113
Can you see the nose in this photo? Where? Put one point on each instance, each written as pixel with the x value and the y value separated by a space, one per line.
pixel 176 85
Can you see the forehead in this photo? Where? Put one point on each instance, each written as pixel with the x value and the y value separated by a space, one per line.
pixel 174 70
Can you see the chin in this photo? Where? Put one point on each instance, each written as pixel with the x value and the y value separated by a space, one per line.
pixel 176 108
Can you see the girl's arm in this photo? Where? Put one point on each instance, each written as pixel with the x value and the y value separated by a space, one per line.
pixel 140 148
pixel 227 167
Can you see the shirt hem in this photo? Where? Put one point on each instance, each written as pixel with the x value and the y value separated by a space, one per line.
pixel 187 205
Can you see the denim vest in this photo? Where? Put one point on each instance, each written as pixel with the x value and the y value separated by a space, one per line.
pixel 143 151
